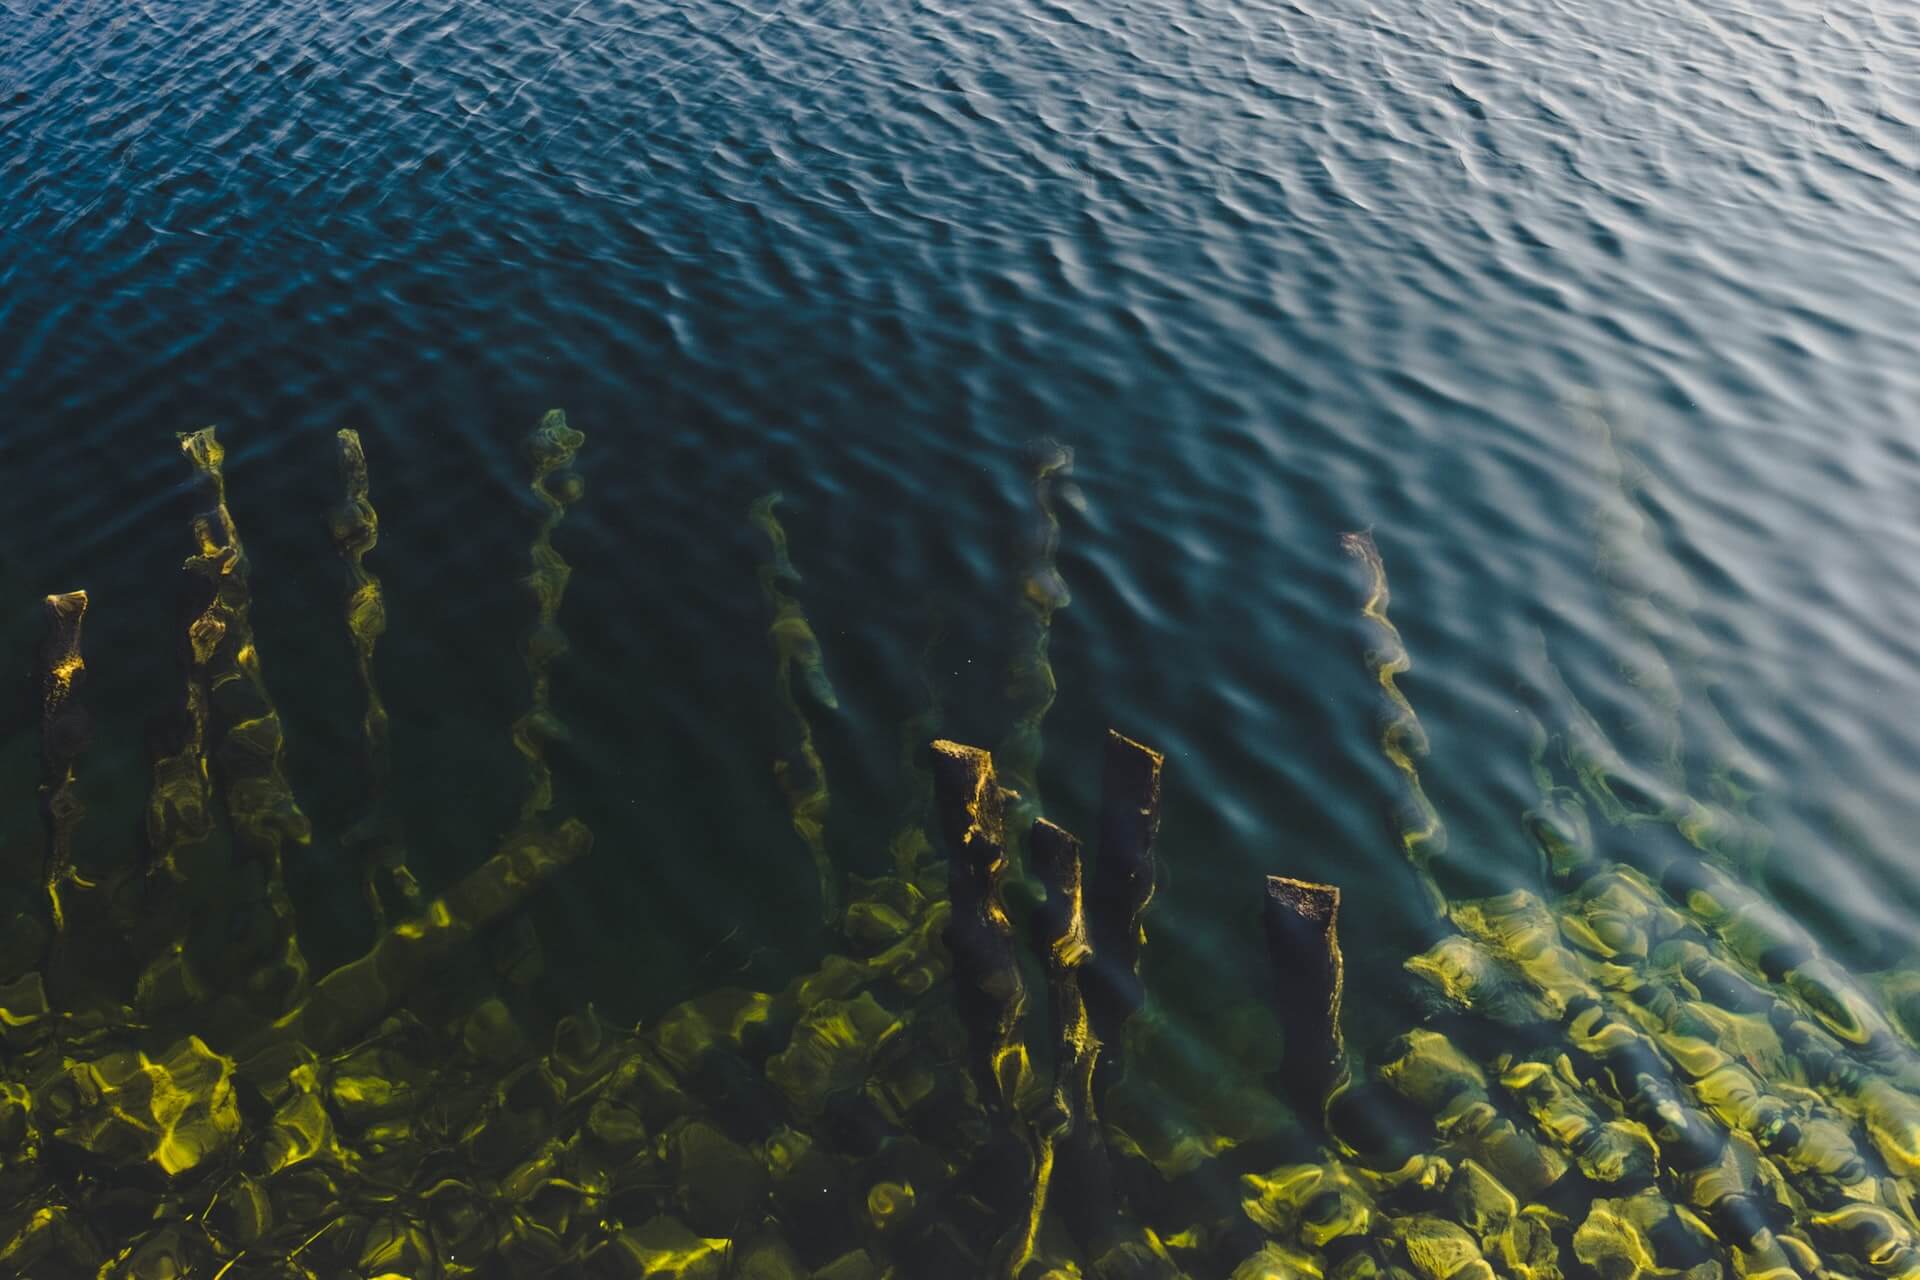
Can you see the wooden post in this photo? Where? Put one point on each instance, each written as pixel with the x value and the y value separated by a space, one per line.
pixel 988 989
pixel 355 527
pixel 1084 1188
pixel 555 486
pixel 63 736
pixel 1122 886
pixel 248 745
pixel 1302 925
pixel 801 772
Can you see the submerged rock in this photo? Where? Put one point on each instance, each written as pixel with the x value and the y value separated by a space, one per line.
pixel 176 1112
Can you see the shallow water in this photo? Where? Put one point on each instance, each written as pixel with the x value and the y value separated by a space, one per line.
pixel 1273 274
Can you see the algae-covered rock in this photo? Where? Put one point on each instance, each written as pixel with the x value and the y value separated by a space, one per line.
pixel 718 1183
pixel 1273 1200
pixel 1439 1249
pixel 492 1035
pixel 54 1240
pixel 1618 1239
pixel 765 1256
pixel 831 1047
pixel 662 1248
pixel 1480 1203
pixel 23 1013
pixel 1459 975
pixel 1606 1151
pixel 374 1092
pixel 617 1126
pixel 501 1136
pixel 397 1245
pixel 177 1111
pixel 301 1130
pixel 722 1018
pixel 458 1223
pixel 1432 1073
pixel 241 1213
pixel 174 1252
pixel 583 1052
pixel 857 1265
pixel 871 926
pixel 16 1121
pixel 1276 1262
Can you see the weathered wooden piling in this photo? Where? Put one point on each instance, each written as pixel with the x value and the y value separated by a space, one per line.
pixel 1303 945
pixel 797 663
pixel 1122 886
pixel 247 743
pixel 179 812
pixel 1083 1185
pixel 355 527
pixel 64 730
pixel 988 990
pixel 551 449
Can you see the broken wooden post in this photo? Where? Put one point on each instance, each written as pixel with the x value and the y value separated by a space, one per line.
pixel 988 990
pixel 355 527
pixel 179 814
pixel 555 486
pixel 801 772
pixel 1302 925
pixel 1084 1190
pixel 63 736
pixel 1122 886
pixel 249 747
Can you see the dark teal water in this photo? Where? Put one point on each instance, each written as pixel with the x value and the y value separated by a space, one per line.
pixel 1274 272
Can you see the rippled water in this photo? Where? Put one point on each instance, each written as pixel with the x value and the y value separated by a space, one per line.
pixel 1273 272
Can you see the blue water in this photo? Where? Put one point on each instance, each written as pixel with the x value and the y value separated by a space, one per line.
pixel 1274 272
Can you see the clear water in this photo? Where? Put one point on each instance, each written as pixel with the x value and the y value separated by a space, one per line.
pixel 1273 272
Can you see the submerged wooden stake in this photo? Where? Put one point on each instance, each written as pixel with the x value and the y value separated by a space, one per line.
pixel 356 530
pixel 179 814
pixel 63 736
pixel 347 1001
pixel 551 449
pixel 248 744
pixel 1302 925
pixel 801 772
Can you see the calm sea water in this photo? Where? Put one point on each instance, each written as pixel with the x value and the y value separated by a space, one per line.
pixel 1273 271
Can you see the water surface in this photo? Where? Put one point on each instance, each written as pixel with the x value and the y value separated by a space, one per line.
pixel 1274 272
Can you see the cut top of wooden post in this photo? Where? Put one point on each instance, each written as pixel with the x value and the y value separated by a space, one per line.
pixel 1129 810
pixel 971 809
pixel 1302 925
pixel 1123 880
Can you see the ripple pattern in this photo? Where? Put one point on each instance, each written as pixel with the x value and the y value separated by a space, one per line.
pixel 1274 271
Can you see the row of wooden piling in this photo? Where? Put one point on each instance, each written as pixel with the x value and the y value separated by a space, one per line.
pixel 1043 1061
pixel 221 743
